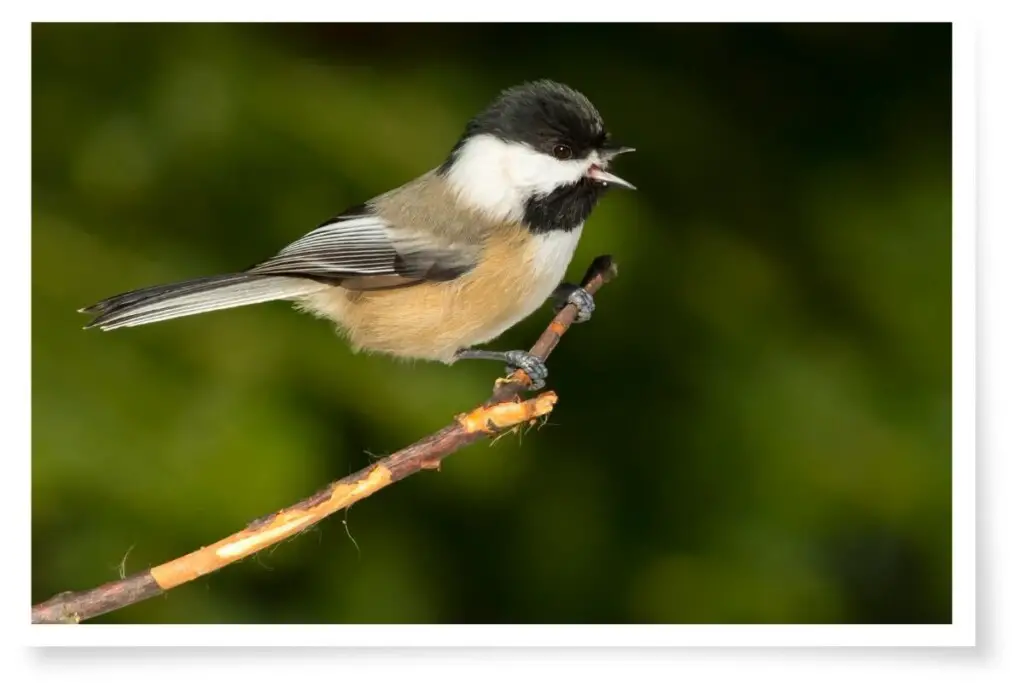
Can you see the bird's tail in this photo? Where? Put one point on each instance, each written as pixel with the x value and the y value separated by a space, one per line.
pixel 164 302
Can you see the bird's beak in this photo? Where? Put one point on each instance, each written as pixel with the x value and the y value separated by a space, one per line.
pixel 609 153
pixel 600 172
pixel 602 176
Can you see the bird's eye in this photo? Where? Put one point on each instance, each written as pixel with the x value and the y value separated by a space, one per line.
pixel 561 151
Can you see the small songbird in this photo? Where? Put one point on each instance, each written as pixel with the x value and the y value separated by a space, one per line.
pixel 446 262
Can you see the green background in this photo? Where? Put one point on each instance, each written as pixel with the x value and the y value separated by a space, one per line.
pixel 755 427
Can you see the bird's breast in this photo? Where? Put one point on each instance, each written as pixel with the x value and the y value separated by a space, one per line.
pixel 516 274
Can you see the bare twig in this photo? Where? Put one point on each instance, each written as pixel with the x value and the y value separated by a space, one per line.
pixel 501 412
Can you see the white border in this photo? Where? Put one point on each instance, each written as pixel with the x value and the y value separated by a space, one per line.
pixel 960 633
pixel 520 11
pixel 380 636
pixel 965 212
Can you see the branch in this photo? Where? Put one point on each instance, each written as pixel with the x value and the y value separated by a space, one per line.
pixel 502 411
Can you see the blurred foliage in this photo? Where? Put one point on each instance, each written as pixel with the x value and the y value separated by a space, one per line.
pixel 755 427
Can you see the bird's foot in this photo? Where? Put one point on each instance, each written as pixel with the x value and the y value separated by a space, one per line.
pixel 532 365
pixel 514 360
pixel 568 293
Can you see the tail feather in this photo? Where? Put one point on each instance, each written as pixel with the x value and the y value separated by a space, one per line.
pixel 164 302
pixel 155 292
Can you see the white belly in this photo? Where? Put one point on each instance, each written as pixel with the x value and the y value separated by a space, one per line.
pixel 549 260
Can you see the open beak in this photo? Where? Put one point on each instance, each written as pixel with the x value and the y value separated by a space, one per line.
pixel 609 153
pixel 601 174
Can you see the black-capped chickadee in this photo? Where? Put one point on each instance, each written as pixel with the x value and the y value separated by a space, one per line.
pixel 445 262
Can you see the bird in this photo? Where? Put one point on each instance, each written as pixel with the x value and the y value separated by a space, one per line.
pixel 446 262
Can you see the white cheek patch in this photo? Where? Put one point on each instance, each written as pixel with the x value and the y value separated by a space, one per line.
pixel 498 177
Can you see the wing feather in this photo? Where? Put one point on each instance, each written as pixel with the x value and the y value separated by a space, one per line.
pixel 364 245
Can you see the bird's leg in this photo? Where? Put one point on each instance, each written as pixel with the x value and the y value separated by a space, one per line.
pixel 568 293
pixel 515 360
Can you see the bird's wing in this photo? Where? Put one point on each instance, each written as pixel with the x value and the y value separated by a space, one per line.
pixel 361 250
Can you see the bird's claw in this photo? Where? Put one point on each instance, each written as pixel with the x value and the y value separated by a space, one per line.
pixel 577 296
pixel 532 365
